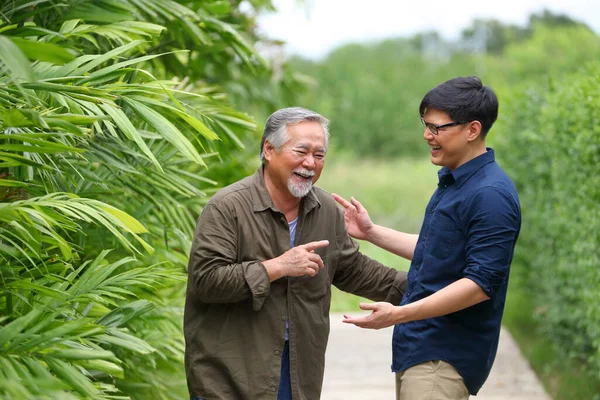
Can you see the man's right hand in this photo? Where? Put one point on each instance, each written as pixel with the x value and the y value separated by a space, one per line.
pixel 358 222
pixel 360 226
pixel 297 261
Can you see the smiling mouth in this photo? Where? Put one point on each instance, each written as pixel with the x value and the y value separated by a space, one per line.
pixel 304 175
pixel 436 147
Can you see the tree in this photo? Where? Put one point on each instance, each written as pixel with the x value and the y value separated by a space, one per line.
pixel 110 113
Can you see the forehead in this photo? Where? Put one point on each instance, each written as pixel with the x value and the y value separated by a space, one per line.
pixel 436 116
pixel 307 133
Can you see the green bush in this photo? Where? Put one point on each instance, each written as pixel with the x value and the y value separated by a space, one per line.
pixel 550 145
pixel 110 114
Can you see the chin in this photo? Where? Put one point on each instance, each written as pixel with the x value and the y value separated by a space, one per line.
pixel 299 191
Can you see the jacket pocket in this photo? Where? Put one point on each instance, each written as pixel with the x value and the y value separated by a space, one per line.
pixel 314 288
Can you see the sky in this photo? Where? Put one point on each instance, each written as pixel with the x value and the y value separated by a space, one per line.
pixel 312 28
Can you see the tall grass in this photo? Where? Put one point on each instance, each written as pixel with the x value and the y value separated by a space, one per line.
pixel 395 192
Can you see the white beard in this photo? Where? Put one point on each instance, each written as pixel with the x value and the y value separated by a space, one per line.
pixel 301 188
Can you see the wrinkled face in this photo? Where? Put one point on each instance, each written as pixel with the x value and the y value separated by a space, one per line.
pixel 449 148
pixel 298 164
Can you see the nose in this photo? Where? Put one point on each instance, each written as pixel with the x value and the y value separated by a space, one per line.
pixel 427 135
pixel 309 161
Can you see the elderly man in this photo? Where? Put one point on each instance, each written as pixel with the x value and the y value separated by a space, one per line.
pixel 266 251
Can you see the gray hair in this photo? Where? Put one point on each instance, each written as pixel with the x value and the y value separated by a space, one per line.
pixel 277 123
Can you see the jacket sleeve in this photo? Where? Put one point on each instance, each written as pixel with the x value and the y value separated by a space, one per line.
pixel 363 276
pixel 215 275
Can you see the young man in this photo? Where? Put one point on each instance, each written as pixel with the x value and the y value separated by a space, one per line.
pixel 448 323
pixel 264 256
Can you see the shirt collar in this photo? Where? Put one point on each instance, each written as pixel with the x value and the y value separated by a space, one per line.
pixel 462 174
pixel 261 199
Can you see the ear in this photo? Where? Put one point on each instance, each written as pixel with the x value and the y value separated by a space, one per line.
pixel 474 130
pixel 268 150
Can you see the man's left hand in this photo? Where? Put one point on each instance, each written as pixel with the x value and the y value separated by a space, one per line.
pixel 383 315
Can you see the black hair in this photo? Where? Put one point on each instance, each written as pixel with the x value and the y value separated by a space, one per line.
pixel 463 99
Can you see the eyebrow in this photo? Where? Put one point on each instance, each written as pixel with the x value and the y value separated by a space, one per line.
pixel 307 147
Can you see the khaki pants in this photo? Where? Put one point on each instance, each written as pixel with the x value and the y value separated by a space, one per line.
pixel 431 380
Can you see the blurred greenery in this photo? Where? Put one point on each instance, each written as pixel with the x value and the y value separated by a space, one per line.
pixel 371 93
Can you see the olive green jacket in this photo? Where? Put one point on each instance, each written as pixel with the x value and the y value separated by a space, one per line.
pixel 235 320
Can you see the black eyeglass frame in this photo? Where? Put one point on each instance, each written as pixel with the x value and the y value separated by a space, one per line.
pixel 434 129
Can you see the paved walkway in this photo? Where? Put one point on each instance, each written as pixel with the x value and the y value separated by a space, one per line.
pixel 358 362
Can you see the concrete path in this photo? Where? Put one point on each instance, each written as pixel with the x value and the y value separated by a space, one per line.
pixel 358 362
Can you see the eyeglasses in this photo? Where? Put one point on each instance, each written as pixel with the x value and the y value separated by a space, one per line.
pixel 435 128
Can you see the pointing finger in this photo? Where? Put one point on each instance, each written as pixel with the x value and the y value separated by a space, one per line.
pixel 315 245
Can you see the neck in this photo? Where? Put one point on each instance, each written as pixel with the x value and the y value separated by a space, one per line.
pixel 475 151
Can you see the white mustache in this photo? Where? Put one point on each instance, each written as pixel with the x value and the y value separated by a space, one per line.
pixel 305 172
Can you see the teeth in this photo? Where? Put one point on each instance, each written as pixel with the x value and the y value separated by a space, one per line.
pixel 305 176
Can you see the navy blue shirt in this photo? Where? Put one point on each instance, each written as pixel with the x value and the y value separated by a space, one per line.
pixel 470 228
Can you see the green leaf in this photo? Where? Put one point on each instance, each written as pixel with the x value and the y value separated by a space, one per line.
pixel 9 183
pixel 8 27
pixel 95 12
pixel 14 328
pixel 122 315
pixel 17 160
pixel 82 354
pixel 130 223
pixel 73 377
pixel 42 51
pixel 99 74
pixel 14 60
pixel 15 118
pixel 97 60
pixel 194 122
pixel 125 125
pixel 69 25
pixel 55 87
pixel 103 366
pixel 32 149
pixel 126 341
pixel 51 147
pixel 167 130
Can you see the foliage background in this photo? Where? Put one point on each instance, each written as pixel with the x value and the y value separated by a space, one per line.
pixel 111 113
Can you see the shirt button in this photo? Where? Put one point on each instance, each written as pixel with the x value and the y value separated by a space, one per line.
pixel 272 388
pixel 277 352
